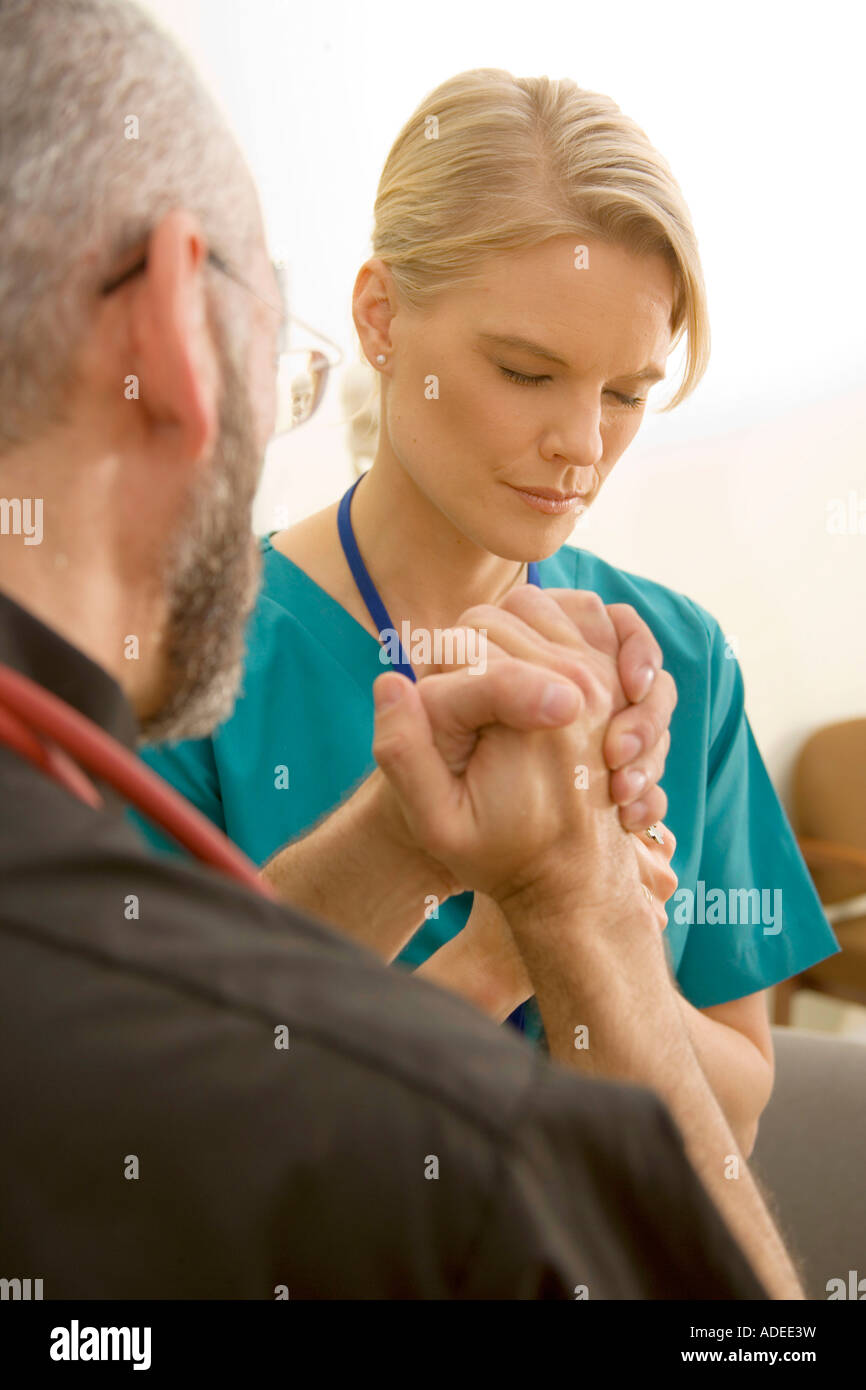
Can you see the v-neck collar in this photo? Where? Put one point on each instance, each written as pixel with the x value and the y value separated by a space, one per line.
pixel 333 626
pixel 345 639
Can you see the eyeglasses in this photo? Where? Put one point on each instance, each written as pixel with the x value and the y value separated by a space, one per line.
pixel 302 373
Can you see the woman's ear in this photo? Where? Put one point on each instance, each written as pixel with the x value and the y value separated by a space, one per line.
pixel 373 308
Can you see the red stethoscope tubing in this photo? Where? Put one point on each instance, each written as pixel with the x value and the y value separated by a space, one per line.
pixel 61 741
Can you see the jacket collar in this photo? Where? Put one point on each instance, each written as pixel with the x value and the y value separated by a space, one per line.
pixel 28 645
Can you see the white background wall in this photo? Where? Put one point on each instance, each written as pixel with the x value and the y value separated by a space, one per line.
pixel 759 109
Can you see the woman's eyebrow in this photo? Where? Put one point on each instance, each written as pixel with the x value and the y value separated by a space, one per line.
pixel 651 373
pixel 648 374
pixel 509 340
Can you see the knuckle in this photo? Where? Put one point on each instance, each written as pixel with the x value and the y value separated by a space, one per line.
pixel 479 615
pixel 657 805
pixel 666 880
pixel 638 632
pixel 657 715
pixel 592 602
pixel 578 603
pixel 624 610
pixel 432 689
pixel 518 600
pixel 391 747
pixel 646 635
pixel 640 624
pixel 435 836
pixel 666 686
pixel 598 691
pixel 533 607
pixel 509 670
pixel 566 661
pixel 655 763
pixel 646 725
pixel 511 676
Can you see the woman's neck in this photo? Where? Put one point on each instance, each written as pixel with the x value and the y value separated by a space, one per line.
pixel 424 569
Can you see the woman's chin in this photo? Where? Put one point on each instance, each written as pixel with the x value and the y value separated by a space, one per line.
pixel 537 539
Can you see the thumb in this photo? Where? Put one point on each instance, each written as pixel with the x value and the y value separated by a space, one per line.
pixel 404 749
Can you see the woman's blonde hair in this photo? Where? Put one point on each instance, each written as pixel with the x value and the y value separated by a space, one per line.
pixel 490 162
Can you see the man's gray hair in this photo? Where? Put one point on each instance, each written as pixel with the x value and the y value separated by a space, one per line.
pixel 104 127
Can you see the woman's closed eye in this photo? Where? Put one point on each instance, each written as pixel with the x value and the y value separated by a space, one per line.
pixel 524 379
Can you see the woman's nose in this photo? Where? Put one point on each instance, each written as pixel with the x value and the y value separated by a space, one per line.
pixel 577 440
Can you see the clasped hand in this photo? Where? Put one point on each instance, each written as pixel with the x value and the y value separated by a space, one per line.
pixel 505 777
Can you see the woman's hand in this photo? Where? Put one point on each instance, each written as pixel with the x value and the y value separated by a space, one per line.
pixel 654 866
pixel 482 963
pixel 637 739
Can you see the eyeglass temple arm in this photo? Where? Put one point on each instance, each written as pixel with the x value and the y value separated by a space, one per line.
pixel 321 336
pixel 281 270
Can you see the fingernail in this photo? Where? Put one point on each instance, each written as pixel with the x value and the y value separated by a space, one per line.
pixel 557 701
pixel 629 747
pixel 645 677
pixel 635 780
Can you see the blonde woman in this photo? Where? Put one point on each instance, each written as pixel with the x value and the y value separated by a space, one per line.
pixel 533 266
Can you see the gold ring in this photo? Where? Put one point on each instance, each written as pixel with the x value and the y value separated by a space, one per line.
pixel 654 833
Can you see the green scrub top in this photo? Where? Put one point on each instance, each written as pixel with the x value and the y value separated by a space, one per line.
pixel 745 914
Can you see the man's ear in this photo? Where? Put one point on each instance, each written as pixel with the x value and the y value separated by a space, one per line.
pixel 172 339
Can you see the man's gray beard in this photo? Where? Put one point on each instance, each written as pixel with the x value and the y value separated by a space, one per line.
pixel 211 579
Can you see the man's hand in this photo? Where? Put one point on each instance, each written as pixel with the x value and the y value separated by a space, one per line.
pixel 362 868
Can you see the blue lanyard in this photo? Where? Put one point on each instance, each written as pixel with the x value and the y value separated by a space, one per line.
pixel 367 589
pixel 379 613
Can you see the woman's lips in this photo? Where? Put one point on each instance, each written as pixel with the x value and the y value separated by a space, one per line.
pixel 545 499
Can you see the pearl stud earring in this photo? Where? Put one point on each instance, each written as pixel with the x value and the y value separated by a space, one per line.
pixel 381 359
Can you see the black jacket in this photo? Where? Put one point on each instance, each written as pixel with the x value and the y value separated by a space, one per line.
pixel 147 1043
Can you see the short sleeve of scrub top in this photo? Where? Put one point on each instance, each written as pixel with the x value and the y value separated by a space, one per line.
pixel 745 914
